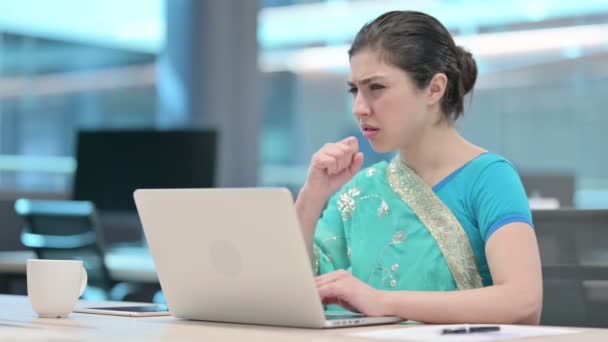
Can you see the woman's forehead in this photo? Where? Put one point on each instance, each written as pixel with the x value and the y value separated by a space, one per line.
pixel 368 65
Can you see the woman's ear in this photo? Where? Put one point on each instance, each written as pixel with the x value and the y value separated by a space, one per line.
pixel 436 88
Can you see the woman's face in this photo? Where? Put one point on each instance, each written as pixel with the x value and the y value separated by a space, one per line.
pixel 391 111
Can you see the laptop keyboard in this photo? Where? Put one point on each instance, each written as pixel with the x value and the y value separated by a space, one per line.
pixel 342 315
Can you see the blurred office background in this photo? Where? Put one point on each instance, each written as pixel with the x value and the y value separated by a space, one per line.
pixel 67 65
pixel 269 76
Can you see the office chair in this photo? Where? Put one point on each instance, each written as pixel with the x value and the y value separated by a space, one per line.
pixel 62 229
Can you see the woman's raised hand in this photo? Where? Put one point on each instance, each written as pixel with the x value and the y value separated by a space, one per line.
pixel 332 166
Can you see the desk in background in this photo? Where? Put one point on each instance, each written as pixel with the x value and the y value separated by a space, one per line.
pixel 125 263
pixel 574 252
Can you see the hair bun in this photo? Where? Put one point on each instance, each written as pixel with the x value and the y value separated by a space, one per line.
pixel 468 68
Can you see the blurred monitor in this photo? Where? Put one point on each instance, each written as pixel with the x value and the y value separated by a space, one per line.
pixel 560 186
pixel 111 164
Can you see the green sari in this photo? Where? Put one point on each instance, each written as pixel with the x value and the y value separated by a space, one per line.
pixel 390 230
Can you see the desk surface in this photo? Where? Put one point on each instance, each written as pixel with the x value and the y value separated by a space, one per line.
pixel 19 322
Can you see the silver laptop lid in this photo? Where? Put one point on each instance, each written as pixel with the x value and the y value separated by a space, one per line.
pixel 231 255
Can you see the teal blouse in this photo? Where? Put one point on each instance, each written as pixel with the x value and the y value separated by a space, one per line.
pixel 369 230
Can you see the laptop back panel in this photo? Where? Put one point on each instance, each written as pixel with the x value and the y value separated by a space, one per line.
pixel 230 255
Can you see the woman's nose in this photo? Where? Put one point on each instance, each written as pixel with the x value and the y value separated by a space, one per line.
pixel 361 107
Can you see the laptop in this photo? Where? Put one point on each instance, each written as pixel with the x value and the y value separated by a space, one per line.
pixel 235 255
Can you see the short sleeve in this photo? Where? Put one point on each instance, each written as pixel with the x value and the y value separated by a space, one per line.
pixel 330 243
pixel 499 198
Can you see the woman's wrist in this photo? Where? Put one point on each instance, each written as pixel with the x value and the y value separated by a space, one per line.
pixel 387 302
pixel 310 202
pixel 311 195
pixel 308 209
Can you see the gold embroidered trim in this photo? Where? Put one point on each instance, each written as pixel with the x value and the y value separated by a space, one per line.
pixel 440 222
pixel 316 263
pixel 399 237
pixel 346 203
pixel 383 208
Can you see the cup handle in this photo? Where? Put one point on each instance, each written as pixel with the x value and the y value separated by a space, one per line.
pixel 83 280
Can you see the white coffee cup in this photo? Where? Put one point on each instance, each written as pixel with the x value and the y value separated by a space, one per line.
pixel 54 286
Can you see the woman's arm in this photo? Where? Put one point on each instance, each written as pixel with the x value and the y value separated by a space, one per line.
pixel 309 208
pixel 330 168
pixel 515 297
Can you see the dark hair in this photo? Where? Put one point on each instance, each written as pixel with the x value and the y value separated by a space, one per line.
pixel 420 45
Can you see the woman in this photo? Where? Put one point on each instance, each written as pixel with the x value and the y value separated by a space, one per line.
pixel 443 232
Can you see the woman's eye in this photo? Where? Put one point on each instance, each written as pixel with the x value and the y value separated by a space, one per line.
pixel 352 90
pixel 376 87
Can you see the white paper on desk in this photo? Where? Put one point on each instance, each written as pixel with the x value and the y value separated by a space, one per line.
pixel 433 333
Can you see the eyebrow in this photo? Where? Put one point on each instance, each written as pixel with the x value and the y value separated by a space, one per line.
pixel 365 80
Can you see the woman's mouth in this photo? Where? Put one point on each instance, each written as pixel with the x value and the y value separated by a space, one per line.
pixel 369 132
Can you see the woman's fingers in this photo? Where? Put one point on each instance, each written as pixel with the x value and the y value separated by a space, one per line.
pixel 356 163
pixel 332 166
pixel 342 155
pixel 327 162
pixel 331 277
pixel 335 293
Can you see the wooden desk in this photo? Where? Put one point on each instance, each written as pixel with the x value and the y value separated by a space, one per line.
pixel 128 264
pixel 19 322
